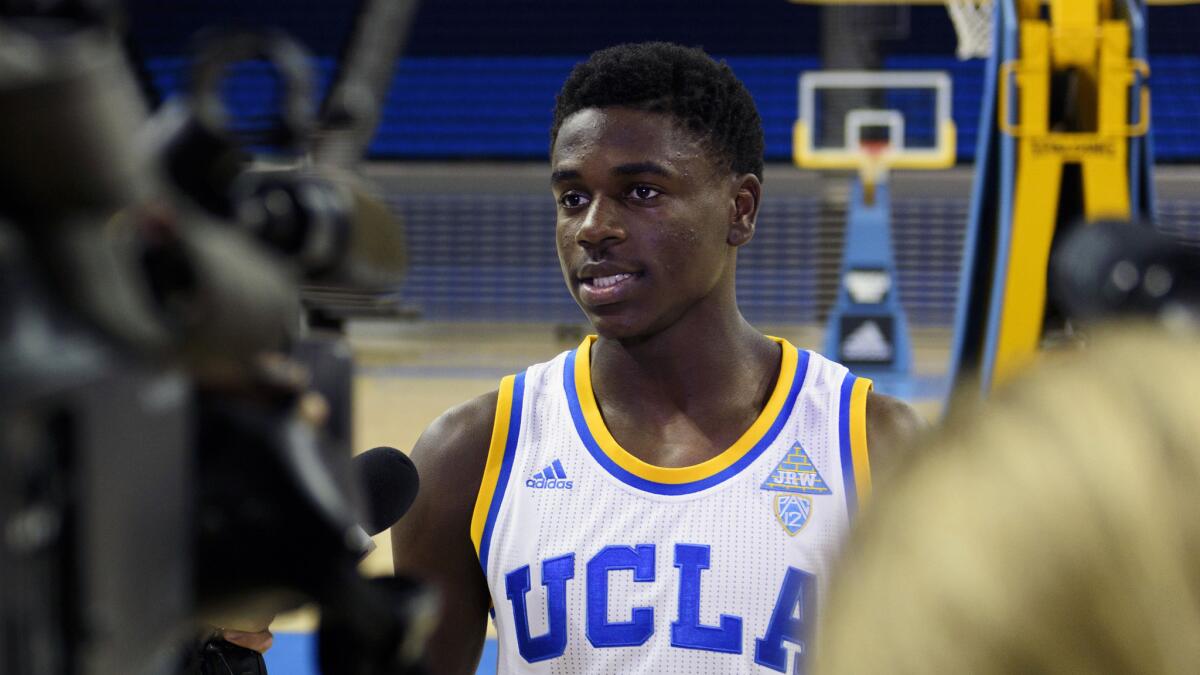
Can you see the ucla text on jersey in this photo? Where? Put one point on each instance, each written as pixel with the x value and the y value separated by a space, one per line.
pixel 640 568
pixel 786 624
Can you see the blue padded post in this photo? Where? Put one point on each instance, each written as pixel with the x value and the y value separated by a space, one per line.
pixel 1141 150
pixel 987 236
pixel 871 338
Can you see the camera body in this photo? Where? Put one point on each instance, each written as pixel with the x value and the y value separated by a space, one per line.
pixel 172 438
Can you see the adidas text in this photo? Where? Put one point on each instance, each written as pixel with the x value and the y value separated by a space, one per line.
pixel 545 484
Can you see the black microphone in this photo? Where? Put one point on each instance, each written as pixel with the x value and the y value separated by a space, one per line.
pixel 389 483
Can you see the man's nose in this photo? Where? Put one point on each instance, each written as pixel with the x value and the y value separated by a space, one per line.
pixel 601 226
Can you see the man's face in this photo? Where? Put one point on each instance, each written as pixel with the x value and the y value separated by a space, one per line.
pixel 644 220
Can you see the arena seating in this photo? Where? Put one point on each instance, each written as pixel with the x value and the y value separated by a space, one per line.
pixel 463 94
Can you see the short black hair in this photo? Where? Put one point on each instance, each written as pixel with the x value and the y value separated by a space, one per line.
pixel 685 83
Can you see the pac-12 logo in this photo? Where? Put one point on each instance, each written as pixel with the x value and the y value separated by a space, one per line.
pixel 792 511
pixel 550 478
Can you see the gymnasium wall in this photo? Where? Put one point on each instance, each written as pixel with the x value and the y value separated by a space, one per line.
pixel 476 84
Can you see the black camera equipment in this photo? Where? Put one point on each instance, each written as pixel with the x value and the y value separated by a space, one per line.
pixel 1124 269
pixel 165 459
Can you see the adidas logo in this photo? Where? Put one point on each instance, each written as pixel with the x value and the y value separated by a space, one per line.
pixel 867 343
pixel 550 478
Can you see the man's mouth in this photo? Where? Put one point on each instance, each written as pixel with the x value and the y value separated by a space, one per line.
pixel 606 282
pixel 607 289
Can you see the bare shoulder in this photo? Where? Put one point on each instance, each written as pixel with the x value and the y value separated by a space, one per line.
pixel 453 449
pixel 892 429
pixel 450 456
pixel 432 542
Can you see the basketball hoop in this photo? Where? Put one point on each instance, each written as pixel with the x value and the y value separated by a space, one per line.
pixel 873 170
pixel 972 21
pixel 874 148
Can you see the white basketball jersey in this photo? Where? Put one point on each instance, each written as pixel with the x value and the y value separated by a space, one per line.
pixel 601 563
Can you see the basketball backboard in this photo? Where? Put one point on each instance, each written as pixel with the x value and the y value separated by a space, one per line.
pixel 874 121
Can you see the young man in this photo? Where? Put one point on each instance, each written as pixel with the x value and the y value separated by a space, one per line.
pixel 668 497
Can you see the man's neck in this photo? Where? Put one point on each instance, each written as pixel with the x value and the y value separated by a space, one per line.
pixel 704 369
pixel 681 351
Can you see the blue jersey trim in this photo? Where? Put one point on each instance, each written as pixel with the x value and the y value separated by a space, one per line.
pixel 510 450
pixel 844 443
pixel 589 441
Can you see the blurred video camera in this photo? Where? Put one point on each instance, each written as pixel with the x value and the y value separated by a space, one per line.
pixel 1121 269
pixel 174 440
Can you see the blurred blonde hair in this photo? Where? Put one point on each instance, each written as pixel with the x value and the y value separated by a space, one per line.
pixel 1055 530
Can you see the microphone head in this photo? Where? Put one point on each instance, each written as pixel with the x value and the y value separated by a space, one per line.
pixel 389 483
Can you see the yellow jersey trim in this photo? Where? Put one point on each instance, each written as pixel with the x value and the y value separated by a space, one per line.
pixel 858 439
pixel 495 458
pixel 687 474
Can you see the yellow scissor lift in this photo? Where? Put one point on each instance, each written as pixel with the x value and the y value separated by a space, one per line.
pixel 1067 87
pixel 1066 93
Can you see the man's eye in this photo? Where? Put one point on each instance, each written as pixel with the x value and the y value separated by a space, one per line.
pixel 644 192
pixel 572 200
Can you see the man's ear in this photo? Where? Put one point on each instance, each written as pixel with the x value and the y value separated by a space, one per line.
pixel 744 211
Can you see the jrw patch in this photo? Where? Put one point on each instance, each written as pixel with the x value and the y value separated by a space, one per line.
pixel 796 474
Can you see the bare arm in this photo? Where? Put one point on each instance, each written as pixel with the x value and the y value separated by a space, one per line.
pixel 892 428
pixel 432 542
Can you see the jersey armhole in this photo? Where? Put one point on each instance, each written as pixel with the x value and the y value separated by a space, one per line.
pixel 856 464
pixel 505 428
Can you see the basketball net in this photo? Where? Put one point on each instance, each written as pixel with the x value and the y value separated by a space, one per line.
pixel 973 22
pixel 873 170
